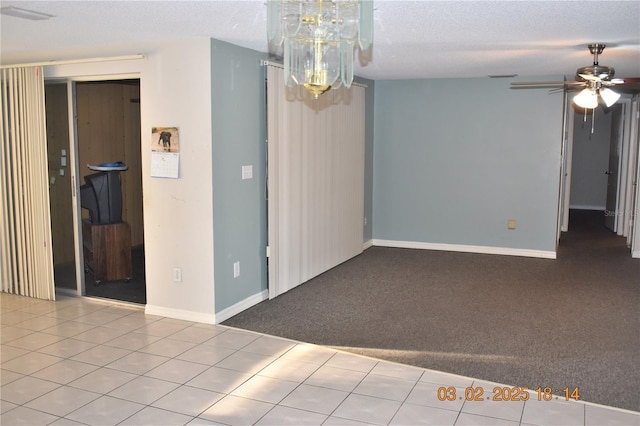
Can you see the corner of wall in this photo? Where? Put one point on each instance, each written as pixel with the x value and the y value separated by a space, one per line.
pixel 242 305
pixel 238 117
pixel 177 212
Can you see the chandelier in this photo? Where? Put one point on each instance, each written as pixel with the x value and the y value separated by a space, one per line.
pixel 319 38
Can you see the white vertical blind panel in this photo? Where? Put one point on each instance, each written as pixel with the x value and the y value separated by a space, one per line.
pixel 6 240
pixel 315 181
pixel 25 249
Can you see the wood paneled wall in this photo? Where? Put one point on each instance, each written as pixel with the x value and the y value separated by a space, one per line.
pixel 109 131
pixel 132 183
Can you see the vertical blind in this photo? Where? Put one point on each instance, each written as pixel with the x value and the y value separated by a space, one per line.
pixel 25 246
pixel 315 181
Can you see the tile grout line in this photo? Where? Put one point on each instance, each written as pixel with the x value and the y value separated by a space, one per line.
pixel 170 337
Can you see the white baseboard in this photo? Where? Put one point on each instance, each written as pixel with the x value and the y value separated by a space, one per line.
pixel 636 254
pixel 505 251
pixel 367 244
pixel 227 313
pixel 221 316
pixel 180 314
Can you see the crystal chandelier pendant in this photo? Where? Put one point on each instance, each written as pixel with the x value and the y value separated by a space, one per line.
pixel 320 38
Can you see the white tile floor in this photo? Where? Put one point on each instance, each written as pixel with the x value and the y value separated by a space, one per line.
pixel 81 361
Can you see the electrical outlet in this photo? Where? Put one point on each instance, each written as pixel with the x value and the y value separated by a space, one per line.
pixel 236 269
pixel 365 221
pixel 511 224
pixel 177 275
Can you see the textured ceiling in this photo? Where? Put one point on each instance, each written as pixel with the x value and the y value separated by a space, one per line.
pixel 413 39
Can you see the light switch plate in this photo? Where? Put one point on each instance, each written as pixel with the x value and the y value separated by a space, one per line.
pixel 247 172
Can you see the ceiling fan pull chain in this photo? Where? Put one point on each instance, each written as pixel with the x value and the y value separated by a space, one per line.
pixel 593 119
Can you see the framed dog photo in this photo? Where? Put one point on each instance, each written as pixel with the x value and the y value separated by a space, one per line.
pixel 165 152
pixel 165 139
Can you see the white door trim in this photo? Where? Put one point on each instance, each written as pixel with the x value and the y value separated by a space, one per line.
pixel 625 179
pixel 634 232
pixel 75 189
pixel 567 162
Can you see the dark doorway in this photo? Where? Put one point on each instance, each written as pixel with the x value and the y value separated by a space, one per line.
pixel 108 131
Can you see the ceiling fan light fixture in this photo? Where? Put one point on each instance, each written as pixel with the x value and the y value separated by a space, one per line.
pixel 609 96
pixel 587 99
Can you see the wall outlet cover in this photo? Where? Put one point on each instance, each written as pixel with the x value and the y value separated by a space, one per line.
pixel 177 275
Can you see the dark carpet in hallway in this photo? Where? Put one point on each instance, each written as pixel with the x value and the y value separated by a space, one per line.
pixel 570 322
pixel 133 291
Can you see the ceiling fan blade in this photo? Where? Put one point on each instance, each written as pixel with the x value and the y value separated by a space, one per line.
pixel 629 85
pixel 590 77
pixel 566 89
pixel 627 80
pixel 546 83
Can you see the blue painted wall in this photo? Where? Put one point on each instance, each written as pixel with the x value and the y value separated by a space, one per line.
pixel 446 161
pixel 239 206
pixel 455 159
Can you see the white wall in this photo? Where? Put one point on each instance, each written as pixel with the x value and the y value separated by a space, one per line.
pixel 175 90
pixel 590 160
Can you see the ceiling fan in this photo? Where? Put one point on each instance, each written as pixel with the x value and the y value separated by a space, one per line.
pixel 594 80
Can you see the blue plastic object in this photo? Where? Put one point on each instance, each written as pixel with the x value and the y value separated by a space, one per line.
pixel 108 167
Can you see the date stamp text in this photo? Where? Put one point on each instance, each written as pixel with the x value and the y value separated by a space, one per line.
pixel 507 393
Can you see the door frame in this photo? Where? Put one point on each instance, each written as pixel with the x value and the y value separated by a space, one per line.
pixel 615 170
pixel 627 170
pixel 631 155
pixel 566 156
pixel 75 188
pixel 631 128
pixel 633 239
pixel 75 167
